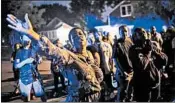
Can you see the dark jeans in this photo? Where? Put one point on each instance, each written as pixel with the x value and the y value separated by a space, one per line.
pixel 125 89
pixel 146 94
pixel 56 81
pixel 16 74
pixel 108 81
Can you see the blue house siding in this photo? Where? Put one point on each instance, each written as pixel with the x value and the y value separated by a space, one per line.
pixel 93 21
pixel 145 22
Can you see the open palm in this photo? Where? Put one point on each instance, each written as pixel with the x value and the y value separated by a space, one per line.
pixel 18 25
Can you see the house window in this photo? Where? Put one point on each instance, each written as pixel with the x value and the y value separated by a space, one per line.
pixel 123 11
pixel 51 35
pixel 129 9
pixel 126 10
pixel 54 34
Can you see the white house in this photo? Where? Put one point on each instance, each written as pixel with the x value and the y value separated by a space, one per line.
pixel 56 29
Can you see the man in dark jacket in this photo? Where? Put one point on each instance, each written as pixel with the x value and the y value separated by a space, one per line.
pixel 146 78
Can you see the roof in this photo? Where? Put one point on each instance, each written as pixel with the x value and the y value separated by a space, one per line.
pixel 116 7
pixel 54 24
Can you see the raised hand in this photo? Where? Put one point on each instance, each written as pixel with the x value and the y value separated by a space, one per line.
pixel 24 27
pixel 18 25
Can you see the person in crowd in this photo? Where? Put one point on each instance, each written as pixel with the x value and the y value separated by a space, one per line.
pixel 93 48
pixel 68 46
pixel 109 38
pixel 57 73
pixel 28 79
pixel 106 64
pixel 146 77
pixel 106 59
pixel 167 48
pixel 101 46
pixel 163 33
pixel 156 36
pixel 149 34
pixel 17 46
pixel 85 77
pixel 89 63
pixel 121 53
pixel 173 47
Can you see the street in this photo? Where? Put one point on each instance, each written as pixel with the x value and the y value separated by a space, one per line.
pixel 8 84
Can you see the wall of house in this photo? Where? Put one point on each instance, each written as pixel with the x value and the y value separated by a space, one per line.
pixel 116 12
pixel 93 21
pixel 145 22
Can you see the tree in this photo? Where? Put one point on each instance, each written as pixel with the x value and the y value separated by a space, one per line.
pixel 96 7
pixel 4 11
pixel 20 8
pixel 59 11
pixel 164 8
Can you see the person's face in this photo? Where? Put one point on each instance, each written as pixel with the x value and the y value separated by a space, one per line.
pixel 79 39
pixel 153 29
pixel 124 32
pixel 17 46
pixel 163 30
pixel 141 35
pixel 98 36
pixel 26 43
pixel 145 36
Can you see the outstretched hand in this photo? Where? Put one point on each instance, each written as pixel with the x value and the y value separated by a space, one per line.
pixel 18 25
pixel 24 27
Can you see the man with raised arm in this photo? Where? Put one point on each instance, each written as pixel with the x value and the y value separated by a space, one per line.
pixel 84 77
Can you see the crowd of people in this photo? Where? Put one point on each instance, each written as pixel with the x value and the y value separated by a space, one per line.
pixel 98 68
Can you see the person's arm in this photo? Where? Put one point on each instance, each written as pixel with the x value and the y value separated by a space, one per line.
pixel 144 60
pixel 161 58
pixel 138 59
pixel 161 41
pixel 12 58
pixel 66 57
pixel 18 63
pixel 17 25
pixel 110 51
pixel 97 58
pixel 111 59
